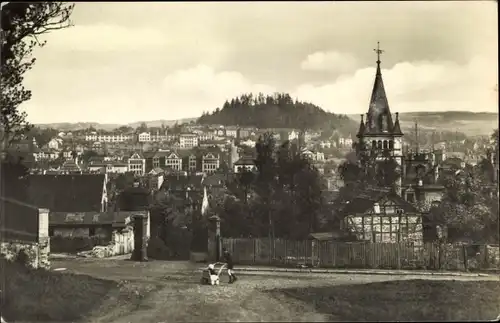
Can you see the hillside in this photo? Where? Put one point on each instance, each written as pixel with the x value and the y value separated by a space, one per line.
pixel 469 123
pixel 67 126
pixel 276 111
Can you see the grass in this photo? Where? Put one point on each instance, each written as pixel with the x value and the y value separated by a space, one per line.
pixel 40 295
pixel 403 300
pixel 175 295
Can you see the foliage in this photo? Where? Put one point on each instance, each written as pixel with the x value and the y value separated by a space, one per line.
pixel 87 154
pixel 276 111
pixel 469 207
pixel 374 168
pixel 42 136
pixel 14 176
pixel 283 198
pixel 22 23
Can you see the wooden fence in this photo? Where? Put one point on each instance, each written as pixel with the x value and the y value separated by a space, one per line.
pixel 280 252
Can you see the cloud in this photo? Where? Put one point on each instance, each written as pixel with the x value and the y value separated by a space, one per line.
pixel 105 38
pixel 332 61
pixel 201 88
pixel 412 86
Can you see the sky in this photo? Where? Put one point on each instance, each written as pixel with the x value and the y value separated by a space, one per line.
pixel 139 61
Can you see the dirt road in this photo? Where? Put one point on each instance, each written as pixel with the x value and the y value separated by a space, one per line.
pixel 175 295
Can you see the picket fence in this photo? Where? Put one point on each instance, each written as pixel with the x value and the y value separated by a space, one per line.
pixel 405 255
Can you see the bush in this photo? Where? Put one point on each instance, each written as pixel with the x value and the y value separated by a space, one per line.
pixel 33 295
pixel 158 250
pixel 76 244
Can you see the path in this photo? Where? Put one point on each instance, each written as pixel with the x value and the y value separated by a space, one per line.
pixel 257 296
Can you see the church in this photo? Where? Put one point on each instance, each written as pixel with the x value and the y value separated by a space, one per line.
pixel 396 213
pixel 417 172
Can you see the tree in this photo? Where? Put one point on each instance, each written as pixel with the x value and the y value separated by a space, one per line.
pixel 469 207
pixel 22 23
pixel 142 128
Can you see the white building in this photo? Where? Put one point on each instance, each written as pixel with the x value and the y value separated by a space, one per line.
pixel 55 143
pixel 144 137
pixel 137 164
pixel 188 140
pixel 210 163
pixel 108 138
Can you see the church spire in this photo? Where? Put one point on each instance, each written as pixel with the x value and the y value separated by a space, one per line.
pixel 379 117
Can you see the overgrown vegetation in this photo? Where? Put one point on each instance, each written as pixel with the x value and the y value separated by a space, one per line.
pixel 32 295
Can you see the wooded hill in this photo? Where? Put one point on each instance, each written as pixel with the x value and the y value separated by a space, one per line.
pixel 276 111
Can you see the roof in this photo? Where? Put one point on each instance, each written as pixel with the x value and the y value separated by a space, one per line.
pixel 379 119
pixel 180 182
pixel 367 198
pixel 218 179
pixel 67 193
pixel 245 160
pixel 71 166
pixel 91 218
pixel 157 170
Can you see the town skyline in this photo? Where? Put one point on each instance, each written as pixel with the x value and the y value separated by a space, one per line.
pixel 192 63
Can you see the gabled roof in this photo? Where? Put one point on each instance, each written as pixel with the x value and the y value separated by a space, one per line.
pixel 136 155
pixel 173 155
pixel 211 156
pixel 67 193
pixel 157 170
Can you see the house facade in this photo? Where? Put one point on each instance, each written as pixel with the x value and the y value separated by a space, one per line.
pixel 173 161
pixel 137 164
pixel 210 163
pixel 244 163
pixel 383 217
pixel 188 140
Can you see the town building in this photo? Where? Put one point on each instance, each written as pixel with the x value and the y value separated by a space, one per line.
pixel 188 140
pixel 245 163
pixel 108 138
pixel 210 163
pixel 137 164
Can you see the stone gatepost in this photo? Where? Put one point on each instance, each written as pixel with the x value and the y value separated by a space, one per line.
pixel 141 237
pixel 43 239
pixel 214 239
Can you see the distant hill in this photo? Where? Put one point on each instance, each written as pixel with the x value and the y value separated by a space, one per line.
pixel 469 123
pixel 66 126
pixel 276 111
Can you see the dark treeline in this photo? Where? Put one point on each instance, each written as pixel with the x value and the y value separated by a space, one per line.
pixel 274 111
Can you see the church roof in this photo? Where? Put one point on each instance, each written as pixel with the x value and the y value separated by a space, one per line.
pixel 397 128
pixel 379 117
pixel 361 130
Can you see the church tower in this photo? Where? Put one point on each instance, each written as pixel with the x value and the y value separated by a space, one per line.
pixel 379 133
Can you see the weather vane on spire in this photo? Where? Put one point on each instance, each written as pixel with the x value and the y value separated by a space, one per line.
pixel 378 51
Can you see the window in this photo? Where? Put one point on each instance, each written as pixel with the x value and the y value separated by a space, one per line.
pixel 410 197
pixel 386 145
pixel 91 232
pixel 391 144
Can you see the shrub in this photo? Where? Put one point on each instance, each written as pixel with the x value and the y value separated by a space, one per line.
pixel 158 250
pixel 38 295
